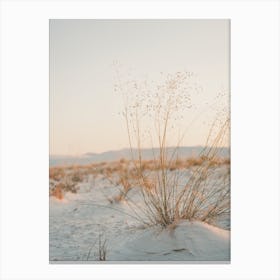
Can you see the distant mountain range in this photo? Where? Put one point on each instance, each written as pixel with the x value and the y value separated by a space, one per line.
pixel 183 152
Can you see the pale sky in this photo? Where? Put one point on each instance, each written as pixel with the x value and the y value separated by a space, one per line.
pixel 84 109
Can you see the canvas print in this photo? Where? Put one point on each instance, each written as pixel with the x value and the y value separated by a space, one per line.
pixel 139 164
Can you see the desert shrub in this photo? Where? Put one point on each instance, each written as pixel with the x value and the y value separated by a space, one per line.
pixel 56 173
pixel 66 185
pixel 101 254
pixel 121 179
pixel 123 161
pixel 101 249
pixel 195 161
pixel 170 195
pixel 77 177
pixel 167 195
pixel 57 191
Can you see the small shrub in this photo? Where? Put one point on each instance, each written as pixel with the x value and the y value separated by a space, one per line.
pixel 77 177
pixel 57 191
pixel 56 173
pixel 101 253
pixel 168 199
pixel 62 187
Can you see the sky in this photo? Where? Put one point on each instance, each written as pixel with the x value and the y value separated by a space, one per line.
pixel 85 109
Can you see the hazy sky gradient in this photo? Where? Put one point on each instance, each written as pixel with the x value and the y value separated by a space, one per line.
pixel 83 106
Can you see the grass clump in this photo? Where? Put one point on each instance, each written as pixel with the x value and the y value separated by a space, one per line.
pixel 168 193
pixel 59 189
pixel 101 249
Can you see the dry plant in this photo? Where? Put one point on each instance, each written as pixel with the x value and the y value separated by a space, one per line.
pixel 101 253
pixel 56 173
pixel 59 189
pixel 122 178
pixel 77 176
pixel 203 195
pixel 168 194
pixel 101 249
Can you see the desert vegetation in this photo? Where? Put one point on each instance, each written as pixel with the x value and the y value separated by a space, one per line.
pixel 151 117
pixel 122 174
pixel 168 193
pixel 163 191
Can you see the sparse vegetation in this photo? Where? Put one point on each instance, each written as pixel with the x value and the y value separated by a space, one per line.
pixel 122 174
pixel 139 153
pixel 101 249
pixel 167 196
pixel 57 191
pixel 65 184
pixel 56 173
pixel 172 188
pixel 101 254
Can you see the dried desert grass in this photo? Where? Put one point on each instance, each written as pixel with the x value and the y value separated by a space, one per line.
pixel 169 196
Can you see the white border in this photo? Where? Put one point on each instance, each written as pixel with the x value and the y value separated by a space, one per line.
pixel 255 137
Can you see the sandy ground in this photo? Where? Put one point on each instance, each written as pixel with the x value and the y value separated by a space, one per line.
pixel 81 222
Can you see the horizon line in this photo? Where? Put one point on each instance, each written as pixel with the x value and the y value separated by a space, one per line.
pixel 133 148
